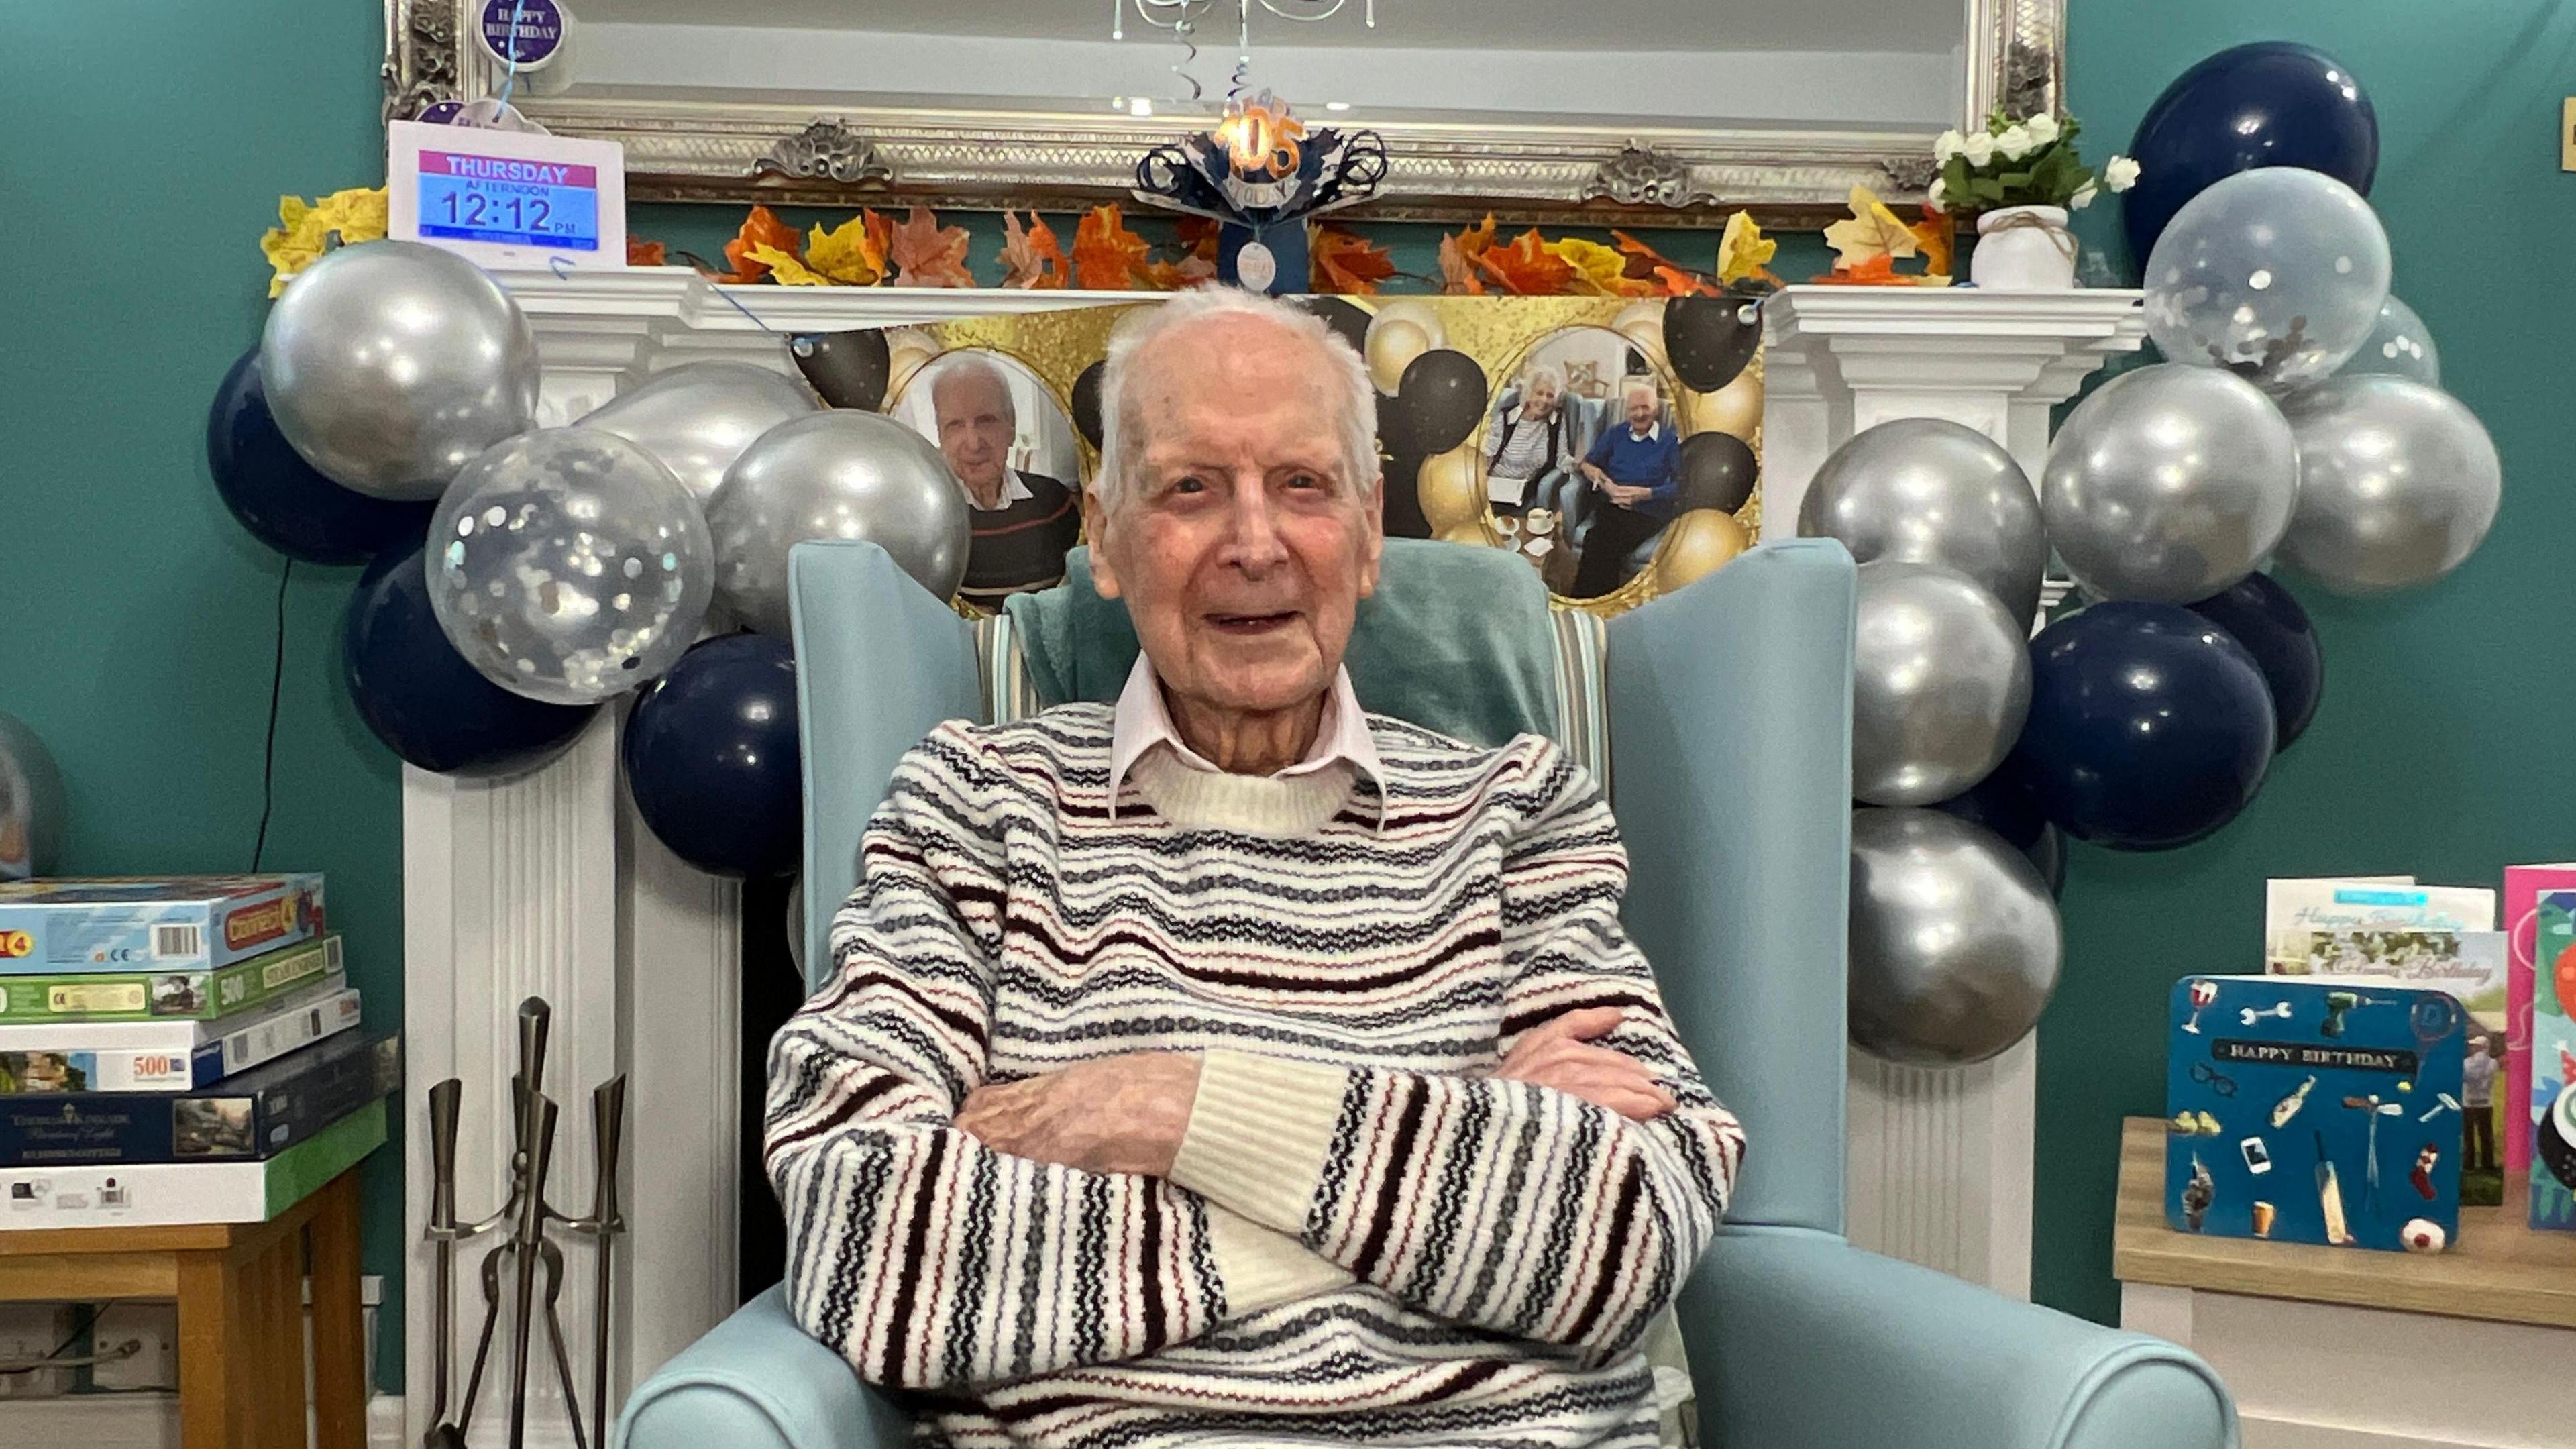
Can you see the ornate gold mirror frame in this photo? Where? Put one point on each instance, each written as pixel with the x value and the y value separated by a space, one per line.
pixel 1545 171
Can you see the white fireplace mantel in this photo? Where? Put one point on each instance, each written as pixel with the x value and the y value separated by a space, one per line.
pixel 548 885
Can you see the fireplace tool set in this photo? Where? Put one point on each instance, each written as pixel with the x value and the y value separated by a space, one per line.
pixel 512 1266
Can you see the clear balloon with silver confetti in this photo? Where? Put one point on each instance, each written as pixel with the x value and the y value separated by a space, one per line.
pixel 1940 684
pixel 2275 274
pixel 1928 490
pixel 839 474
pixel 1955 942
pixel 569 565
pixel 391 364
pixel 700 416
pixel 2398 484
pixel 2169 484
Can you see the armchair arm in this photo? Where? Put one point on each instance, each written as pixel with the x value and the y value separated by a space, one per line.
pixel 1798 1338
pixel 759 1382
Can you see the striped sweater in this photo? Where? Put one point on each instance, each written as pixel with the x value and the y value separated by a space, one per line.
pixel 1363 1237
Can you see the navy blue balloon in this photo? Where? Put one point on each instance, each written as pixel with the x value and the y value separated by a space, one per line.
pixel 420 696
pixel 278 496
pixel 2003 804
pixel 2276 631
pixel 2149 726
pixel 711 757
pixel 2272 103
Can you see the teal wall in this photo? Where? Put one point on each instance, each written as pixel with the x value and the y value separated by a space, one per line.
pixel 146 144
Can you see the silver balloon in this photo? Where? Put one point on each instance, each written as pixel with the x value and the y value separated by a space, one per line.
pixel 837 474
pixel 2399 346
pixel 568 565
pixel 2398 483
pixel 1955 943
pixel 697 418
pixel 2169 484
pixel 1940 684
pixel 31 803
pixel 796 926
pixel 2275 274
pixel 390 365
pixel 1928 490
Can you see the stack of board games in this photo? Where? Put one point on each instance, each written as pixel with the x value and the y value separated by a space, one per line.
pixel 177 1050
pixel 2314 1109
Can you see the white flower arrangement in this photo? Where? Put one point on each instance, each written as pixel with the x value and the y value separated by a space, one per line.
pixel 2027 162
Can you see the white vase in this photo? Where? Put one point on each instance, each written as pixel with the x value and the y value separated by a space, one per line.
pixel 2023 249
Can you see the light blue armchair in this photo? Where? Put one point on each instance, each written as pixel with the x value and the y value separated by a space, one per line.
pixel 1727 712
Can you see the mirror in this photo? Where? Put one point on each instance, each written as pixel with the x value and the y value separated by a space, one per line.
pixel 1634 112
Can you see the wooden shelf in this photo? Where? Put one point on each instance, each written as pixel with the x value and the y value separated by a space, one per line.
pixel 2499 1269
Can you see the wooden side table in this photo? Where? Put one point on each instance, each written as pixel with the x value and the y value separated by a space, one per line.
pixel 2344 1348
pixel 240 1288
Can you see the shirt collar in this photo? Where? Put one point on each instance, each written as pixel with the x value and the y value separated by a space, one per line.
pixel 1143 721
pixel 1014 490
pixel 1653 432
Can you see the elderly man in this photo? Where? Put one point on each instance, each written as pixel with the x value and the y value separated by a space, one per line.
pixel 1021 522
pixel 1235 1066
pixel 1638 470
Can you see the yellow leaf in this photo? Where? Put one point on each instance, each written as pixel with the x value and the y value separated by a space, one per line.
pixel 356 214
pixel 1598 270
pixel 846 255
pixel 784 269
pixel 1743 250
pixel 1871 232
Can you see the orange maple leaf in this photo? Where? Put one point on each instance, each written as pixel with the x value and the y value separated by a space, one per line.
pixel 1458 272
pixel 1180 276
pixel 761 228
pixel 1031 259
pixel 1936 233
pixel 1658 272
pixel 926 254
pixel 1201 235
pixel 646 253
pixel 1347 264
pixel 1877 271
pixel 1106 255
pixel 1526 268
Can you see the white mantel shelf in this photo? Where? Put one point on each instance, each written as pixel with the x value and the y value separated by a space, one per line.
pixel 548 885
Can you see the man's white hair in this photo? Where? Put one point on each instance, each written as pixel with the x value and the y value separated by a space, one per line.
pixel 1632 385
pixel 1538 372
pixel 964 365
pixel 1122 424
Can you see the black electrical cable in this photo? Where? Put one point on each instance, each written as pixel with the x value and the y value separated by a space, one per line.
pixel 268 757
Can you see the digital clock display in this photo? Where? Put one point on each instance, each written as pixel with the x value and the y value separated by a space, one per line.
pixel 501 199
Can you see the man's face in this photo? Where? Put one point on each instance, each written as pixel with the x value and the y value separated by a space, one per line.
pixel 1641 410
pixel 974 413
pixel 1541 401
pixel 1242 549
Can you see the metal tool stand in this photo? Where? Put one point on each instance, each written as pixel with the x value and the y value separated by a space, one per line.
pixel 525 1251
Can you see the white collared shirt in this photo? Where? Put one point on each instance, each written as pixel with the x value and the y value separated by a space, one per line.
pixel 1143 721
pixel 1653 431
pixel 1013 491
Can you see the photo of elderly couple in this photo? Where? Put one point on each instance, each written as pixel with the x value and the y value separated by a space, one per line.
pixel 1583 462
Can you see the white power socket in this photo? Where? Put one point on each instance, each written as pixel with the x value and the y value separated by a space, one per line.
pixel 154 1330
pixel 29 1331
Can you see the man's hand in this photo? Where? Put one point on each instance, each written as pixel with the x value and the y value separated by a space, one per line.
pixel 1626 495
pixel 1599 479
pixel 1555 1054
pixel 1122 1114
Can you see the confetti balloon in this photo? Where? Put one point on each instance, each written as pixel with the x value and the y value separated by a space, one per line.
pixel 569 565
pixel 2399 346
pixel 2276 275
pixel 390 365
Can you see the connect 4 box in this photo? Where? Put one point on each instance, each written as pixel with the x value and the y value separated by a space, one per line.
pixel 152 923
